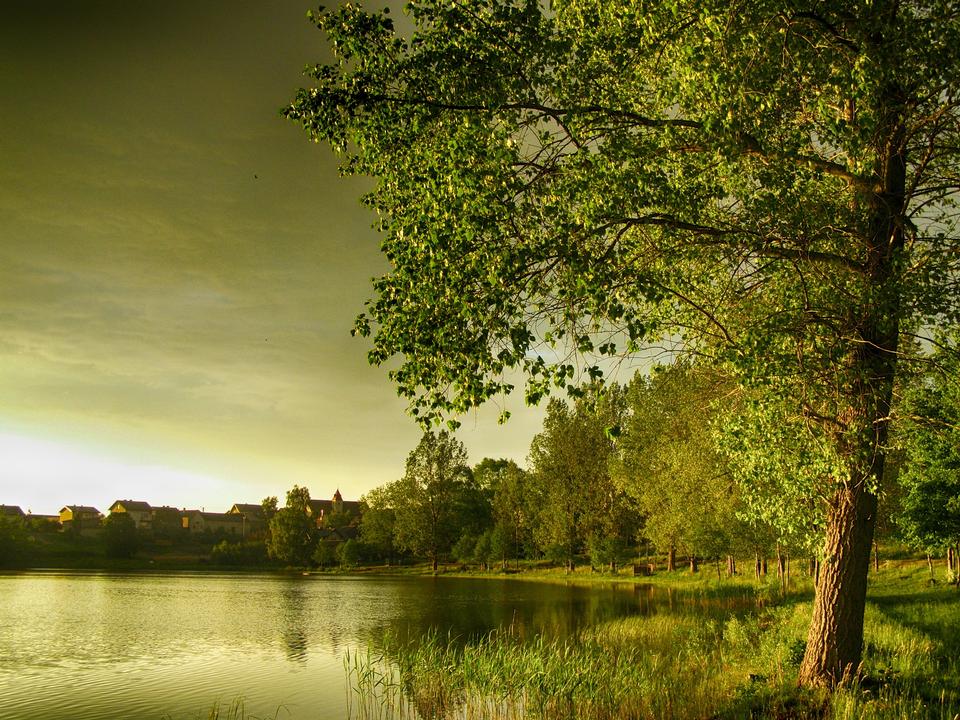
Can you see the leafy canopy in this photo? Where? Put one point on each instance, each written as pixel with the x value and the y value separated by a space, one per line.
pixel 581 179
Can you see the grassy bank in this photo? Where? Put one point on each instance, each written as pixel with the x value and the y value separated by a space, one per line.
pixel 667 666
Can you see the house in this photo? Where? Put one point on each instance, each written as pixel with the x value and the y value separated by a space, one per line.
pixel 198 521
pixel 82 519
pixel 321 510
pixel 13 511
pixel 140 512
pixel 255 520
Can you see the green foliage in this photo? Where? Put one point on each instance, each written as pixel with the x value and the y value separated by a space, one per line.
pixel 298 498
pixel 292 532
pixel 120 536
pixel 378 522
pixel 339 519
pixel 13 539
pixel 427 501
pixel 462 549
pixel 249 554
pixel 571 487
pixel 930 476
pixel 609 551
pixel 269 505
pixel 167 524
pixel 668 462
pixel 325 553
pixel 584 179
pixel 349 553
pixel 770 188
pixel 732 665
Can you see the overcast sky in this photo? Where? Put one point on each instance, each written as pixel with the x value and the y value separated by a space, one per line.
pixel 180 267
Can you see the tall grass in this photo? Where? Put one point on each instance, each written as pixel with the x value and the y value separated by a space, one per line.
pixel 668 666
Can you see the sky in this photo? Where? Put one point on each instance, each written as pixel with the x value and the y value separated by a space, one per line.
pixel 180 267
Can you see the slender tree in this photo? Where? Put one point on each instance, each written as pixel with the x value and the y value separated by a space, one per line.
pixel 763 183
pixel 929 479
pixel 293 533
pixel 427 500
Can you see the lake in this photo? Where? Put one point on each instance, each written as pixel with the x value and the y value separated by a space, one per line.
pixel 110 646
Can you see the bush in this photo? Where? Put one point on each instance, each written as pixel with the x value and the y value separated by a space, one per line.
pixel 239 553
pixel 325 554
pixel 120 536
pixel 349 553
pixel 13 539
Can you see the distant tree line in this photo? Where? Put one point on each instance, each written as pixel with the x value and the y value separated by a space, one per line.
pixel 680 463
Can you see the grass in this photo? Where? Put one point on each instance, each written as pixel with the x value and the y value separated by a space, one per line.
pixel 235 710
pixel 680 666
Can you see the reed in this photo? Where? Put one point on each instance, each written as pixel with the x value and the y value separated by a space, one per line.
pixel 668 666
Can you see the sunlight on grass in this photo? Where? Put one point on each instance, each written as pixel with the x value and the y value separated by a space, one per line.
pixel 672 666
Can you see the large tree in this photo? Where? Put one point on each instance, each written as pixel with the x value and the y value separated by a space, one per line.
pixel 766 183
pixel 569 465
pixel 428 501
pixel 668 461
pixel 292 534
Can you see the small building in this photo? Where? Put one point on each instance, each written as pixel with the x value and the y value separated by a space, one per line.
pixel 255 521
pixel 321 510
pixel 198 521
pixel 83 519
pixel 139 511
pixel 13 511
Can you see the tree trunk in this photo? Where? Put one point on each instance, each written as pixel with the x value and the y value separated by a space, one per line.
pixel 950 562
pixel 693 563
pixel 930 564
pixel 719 577
pixel 812 567
pixel 876 556
pixel 436 564
pixel 731 565
pixel 671 559
pixel 835 640
pixel 764 566
pixel 757 567
pixel 780 565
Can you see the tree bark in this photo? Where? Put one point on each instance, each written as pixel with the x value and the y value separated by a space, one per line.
pixel 671 559
pixel 757 566
pixel 693 563
pixel 876 556
pixel 835 640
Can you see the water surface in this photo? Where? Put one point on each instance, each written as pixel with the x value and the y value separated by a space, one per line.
pixel 106 646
